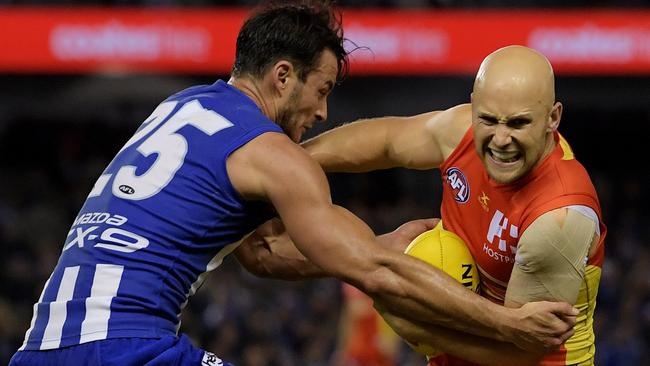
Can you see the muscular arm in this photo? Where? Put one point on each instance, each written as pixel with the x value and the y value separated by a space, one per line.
pixel 417 142
pixel 469 347
pixel 270 252
pixel 550 266
pixel 551 258
pixel 271 167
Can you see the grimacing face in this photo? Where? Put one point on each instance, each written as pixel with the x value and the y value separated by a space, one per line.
pixel 307 103
pixel 512 135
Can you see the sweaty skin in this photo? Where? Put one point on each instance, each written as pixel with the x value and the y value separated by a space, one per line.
pixel 514 117
pixel 340 244
pixel 513 112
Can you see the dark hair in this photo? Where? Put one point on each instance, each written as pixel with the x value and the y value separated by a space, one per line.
pixel 296 31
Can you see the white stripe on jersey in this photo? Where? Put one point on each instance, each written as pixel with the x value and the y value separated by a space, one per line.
pixel 58 311
pixel 98 305
pixel 31 326
pixel 214 263
pixel 99 186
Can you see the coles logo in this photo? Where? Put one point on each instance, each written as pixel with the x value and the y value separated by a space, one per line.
pixel 458 183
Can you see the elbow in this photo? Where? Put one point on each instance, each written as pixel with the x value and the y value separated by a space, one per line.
pixel 252 260
pixel 258 269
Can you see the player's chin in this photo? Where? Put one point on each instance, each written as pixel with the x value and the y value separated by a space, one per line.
pixel 504 172
pixel 296 135
pixel 299 133
pixel 504 176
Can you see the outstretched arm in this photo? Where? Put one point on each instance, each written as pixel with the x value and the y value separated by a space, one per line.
pixel 417 142
pixel 469 347
pixel 271 167
pixel 270 252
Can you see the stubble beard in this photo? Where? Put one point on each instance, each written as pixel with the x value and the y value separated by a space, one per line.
pixel 287 115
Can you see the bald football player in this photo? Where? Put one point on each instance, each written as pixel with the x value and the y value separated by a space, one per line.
pixel 513 191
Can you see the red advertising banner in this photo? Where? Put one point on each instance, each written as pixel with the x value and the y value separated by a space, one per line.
pixel 394 42
pixel 80 40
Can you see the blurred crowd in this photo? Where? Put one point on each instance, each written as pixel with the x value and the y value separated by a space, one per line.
pixel 47 169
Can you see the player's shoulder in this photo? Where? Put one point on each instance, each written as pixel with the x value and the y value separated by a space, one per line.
pixel 567 170
pixel 458 118
pixel 461 110
pixel 204 93
pixel 460 114
pixel 450 125
pixel 276 152
pixel 269 156
pixel 227 101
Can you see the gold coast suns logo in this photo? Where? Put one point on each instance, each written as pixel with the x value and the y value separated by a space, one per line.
pixel 503 234
pixel 458 184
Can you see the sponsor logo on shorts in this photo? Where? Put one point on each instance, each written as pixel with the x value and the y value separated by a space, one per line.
pixel 210 359
pixel 458 183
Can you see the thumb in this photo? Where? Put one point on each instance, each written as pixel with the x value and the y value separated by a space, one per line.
pixel 420 225
pixel 565 310
pixel 431 223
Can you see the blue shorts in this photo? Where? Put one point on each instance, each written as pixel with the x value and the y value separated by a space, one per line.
pixel 166 351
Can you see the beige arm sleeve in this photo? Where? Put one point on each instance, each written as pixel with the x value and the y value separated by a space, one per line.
pixel 551 257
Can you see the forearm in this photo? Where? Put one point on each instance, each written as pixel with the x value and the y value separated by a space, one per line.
pixel 466 346
pixel 291 269
pixel 387 142
pixel 275 257
pixel 403 283
pixel 430 296
pixel 355 147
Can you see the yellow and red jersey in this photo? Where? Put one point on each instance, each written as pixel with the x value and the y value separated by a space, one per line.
pixel 490 217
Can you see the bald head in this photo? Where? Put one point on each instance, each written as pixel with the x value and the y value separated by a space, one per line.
pixel 514 112
pixel 517 70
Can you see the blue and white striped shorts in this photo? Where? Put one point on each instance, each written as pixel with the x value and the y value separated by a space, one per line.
pixel 166 351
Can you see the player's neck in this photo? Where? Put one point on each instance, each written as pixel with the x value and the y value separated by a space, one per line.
pixel 548 149
pixel 254 91
pixel 550 145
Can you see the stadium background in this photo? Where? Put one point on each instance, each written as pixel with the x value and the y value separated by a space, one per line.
pixel 59 129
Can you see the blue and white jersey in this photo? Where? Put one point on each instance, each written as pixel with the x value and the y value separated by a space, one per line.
pixel 162 215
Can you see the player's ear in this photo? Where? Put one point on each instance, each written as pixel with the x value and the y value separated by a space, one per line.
pixel 283 74
pixel 554 117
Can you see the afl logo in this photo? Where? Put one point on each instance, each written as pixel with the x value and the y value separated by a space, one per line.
pixel 126 189
pixel 458 183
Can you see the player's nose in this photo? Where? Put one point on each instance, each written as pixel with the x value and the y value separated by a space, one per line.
pixel 321 112
pixel 502 135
